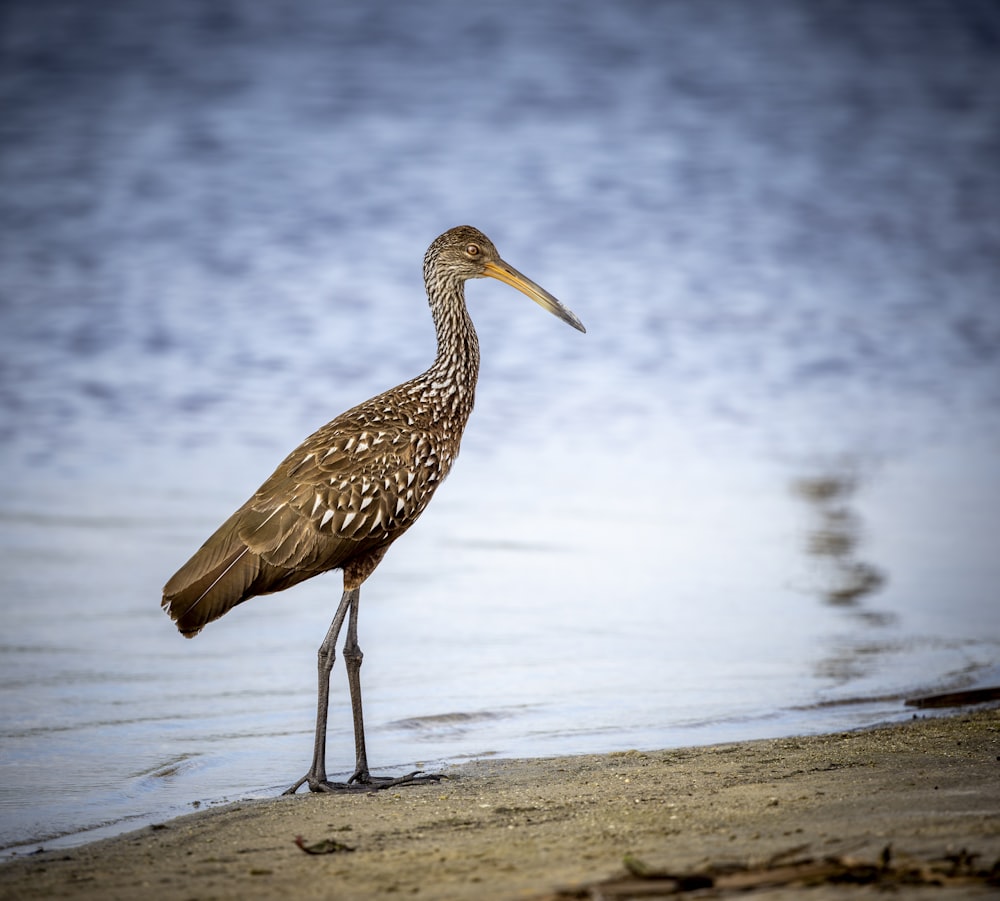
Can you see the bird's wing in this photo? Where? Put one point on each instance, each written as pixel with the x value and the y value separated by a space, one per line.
pixel 342 494
pixel 219 576
pixel 356 492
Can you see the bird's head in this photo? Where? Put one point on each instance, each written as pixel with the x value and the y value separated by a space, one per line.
pixel 465 252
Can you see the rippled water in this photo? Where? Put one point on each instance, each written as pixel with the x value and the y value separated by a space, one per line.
pixel 759 497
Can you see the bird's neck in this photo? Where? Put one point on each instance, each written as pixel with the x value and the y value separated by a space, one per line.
pixel 451 380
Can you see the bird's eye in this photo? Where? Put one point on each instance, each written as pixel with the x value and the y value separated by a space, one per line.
pixel 473 250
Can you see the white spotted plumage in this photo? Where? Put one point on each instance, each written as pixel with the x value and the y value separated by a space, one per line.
pixel 352 488
pixel 360 481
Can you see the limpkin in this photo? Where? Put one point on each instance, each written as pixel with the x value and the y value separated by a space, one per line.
pixel 343 496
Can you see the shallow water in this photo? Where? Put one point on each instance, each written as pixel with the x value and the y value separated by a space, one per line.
pixel 759 497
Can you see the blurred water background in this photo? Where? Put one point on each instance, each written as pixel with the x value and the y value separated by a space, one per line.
pixel 760 497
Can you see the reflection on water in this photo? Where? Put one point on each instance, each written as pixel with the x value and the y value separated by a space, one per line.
pixel 779 225
pixel 832 540
pixel 840 575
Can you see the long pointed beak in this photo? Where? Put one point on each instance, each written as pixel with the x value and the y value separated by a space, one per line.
pixel 510 276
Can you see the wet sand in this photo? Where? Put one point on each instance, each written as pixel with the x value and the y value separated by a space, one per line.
pixel 929 789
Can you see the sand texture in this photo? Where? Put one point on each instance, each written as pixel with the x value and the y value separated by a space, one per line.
pixel 914 804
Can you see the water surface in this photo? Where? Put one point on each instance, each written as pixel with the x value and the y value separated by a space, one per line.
pixel 759 497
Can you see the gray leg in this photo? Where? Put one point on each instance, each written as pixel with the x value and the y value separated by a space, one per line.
pixel 325 657
pixel 362 779
pixel 352 660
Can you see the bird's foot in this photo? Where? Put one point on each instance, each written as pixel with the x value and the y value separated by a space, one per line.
pixel 362 782
pixel 365 781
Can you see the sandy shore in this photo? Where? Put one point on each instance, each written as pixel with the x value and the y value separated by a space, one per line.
pixel 575 827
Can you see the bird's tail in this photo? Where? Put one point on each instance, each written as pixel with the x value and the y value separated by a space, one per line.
pixel 219 576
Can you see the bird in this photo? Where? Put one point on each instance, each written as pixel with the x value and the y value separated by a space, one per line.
pixel 352 488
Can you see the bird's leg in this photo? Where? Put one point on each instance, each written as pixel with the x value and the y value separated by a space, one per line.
pixel 362 778
pixel 352 660
pixel 325 657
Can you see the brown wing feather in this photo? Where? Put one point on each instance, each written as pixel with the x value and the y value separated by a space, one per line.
pixel 348 491
pixel 214 580
pixel 254 552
